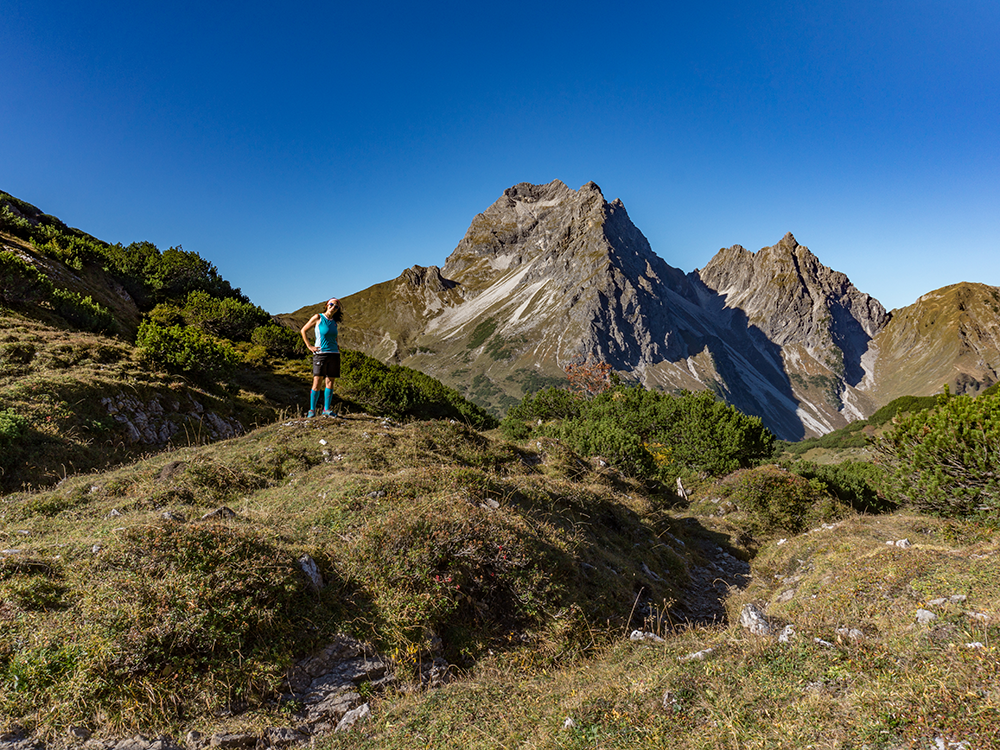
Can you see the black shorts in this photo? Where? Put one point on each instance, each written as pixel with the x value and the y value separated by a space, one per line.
pixel 327 365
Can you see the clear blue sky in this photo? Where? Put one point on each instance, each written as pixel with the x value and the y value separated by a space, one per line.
pixel 314 149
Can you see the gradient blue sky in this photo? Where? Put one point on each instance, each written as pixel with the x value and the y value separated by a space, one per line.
pixel 314 149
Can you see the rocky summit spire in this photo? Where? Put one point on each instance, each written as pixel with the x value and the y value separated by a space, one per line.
pixel 564 270
pixel 792 298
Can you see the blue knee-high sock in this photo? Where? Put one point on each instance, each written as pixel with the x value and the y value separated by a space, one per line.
pixel 327 399
pixel 314 400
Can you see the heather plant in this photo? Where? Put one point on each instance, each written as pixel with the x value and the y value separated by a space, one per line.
pixel 771 500
pixel 944 460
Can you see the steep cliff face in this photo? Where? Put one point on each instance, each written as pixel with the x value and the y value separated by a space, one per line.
pixel 548 275
pixel 792 298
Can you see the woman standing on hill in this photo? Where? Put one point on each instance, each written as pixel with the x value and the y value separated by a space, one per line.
pixel 326 355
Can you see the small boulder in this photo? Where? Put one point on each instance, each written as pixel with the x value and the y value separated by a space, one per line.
pixel 753 619
pixel 353 716
pixel 219 514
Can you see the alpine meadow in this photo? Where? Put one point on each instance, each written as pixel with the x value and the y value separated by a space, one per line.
pixel 572 497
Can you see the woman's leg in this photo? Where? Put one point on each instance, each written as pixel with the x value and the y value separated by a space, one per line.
pixel 328 395
pixel 314 395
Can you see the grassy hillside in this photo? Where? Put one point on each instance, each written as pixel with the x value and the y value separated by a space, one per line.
pixel 126 609
pixel 859 671
pixel 114 591
pixel 948 336
pixel 851 442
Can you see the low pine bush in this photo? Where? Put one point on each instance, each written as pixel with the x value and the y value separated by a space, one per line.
pixel 12 429
pixel 646 434
pixel 20 282
pixel 187 349
pixel 860 484
pixel 278 341
pixel 401 392
pixel 224 317
pixel 82 312
pixel 945 461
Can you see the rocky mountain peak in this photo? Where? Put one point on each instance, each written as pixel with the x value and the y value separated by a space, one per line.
pixel 540 225
pixel 526 192
pixel 788 242
pixel 794 300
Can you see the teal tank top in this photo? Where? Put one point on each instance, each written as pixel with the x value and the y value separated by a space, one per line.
pixel 326 335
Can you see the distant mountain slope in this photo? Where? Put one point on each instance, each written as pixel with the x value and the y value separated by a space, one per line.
pixel 948 336
pixel 548 275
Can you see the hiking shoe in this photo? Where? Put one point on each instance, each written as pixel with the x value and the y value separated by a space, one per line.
pixel 311 414
pixel 329 413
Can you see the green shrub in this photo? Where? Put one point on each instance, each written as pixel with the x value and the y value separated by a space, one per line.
pixel 12 428
pixel 693 431
pixel 278 341
pixel 851 436
pixel 134 265
pixel 901 405
pixel 225 317
pixel 20 282
pixel 713 437
pixel 483 331
pixel 10 220
pixel 401 392
pixel 187 349
pixel 945 461
pixel 177 272
pixel 82 312
pixel 148 275
pixel 611 440
pixel 859 484
pixel 773 500
pixel 166 314
pixel 548 404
